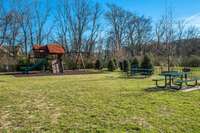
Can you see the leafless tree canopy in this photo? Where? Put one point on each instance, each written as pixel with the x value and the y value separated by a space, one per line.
pixel 85 26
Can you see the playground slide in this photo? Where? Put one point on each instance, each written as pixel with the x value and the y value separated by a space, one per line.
pixel 38 64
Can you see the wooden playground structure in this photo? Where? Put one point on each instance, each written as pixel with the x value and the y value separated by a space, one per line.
pixel 49 53
pixel 49 59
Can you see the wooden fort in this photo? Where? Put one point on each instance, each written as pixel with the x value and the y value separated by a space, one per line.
pixel 53 52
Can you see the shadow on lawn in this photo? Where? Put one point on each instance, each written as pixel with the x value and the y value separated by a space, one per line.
pixel 132 77
pixel 2 81
pixel 156 89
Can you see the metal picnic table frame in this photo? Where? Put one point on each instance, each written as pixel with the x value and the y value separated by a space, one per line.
pixel 169 77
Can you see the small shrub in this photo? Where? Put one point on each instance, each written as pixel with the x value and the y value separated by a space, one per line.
pixel 23 61
pixel 135 63
pixel 125 66
pixel 111 65
pixel 70 64
pixel 115 63
pixel 121 65
pixel 146 63
pixel 89 65
pixel 98 65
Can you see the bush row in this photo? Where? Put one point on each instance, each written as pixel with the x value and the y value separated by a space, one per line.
pixel 111 65
pixel 125 65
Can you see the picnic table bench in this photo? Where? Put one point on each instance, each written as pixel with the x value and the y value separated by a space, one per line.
pixel 187 81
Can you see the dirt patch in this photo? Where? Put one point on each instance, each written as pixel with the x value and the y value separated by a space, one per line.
pixel 66 72
pixel 4 123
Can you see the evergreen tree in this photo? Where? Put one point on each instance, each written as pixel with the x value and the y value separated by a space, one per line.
pixel 111 65
pixel 125 66
pixel 146 63
pixel 98 65
pixel 135 63
pixel 115 63
pixel 121 66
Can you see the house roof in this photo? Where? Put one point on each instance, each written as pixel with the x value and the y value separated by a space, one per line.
pixel 49 49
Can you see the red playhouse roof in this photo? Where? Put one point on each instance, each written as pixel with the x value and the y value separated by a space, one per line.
pixel 55 49
pixel 50 49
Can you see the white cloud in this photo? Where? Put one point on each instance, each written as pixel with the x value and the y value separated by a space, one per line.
pixel 193 20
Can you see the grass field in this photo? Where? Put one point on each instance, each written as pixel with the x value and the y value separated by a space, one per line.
pixel 95 103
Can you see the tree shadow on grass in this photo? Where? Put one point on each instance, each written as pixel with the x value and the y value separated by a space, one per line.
pixel 132 77
pixel 157 89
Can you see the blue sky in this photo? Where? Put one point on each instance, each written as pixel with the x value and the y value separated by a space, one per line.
pixel 182 9
pixel 188 10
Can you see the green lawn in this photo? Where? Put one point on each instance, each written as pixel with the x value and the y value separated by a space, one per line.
pixel 95 103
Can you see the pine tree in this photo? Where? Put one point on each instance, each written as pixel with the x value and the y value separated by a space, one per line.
pixel 125 66
pixel 111 66
pixel 135 63
pixel 146 63
pixel 98 65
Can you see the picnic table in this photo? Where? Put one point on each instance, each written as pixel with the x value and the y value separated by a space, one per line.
pixel 169 77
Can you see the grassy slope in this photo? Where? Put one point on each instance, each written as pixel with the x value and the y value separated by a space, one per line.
pixel 95 103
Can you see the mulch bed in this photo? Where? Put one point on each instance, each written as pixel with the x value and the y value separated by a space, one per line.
pixel 38 73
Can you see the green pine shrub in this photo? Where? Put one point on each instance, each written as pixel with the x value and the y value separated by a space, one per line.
pixel 111 65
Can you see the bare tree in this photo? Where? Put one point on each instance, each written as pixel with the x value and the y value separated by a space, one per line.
pixel 181 25
pixel 159 32
pixel 25 20
pixel 13 31
pixel 61 19
pixel 78 18
pixel 95 26
pixel 4 20
pixel 40 20
pixel 169 35
pixel 131 33
pixel 192 32
pixel 138 33
pixel 117 18
pixel 191 44
pixel 78 25
pixel 73 17
pixel 143 33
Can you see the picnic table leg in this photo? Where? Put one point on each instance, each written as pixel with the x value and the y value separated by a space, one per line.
pixel 164 85
pixel 185 76
pixel 165 80
pixel 180 86
pixel 156 83
pixel 170 81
